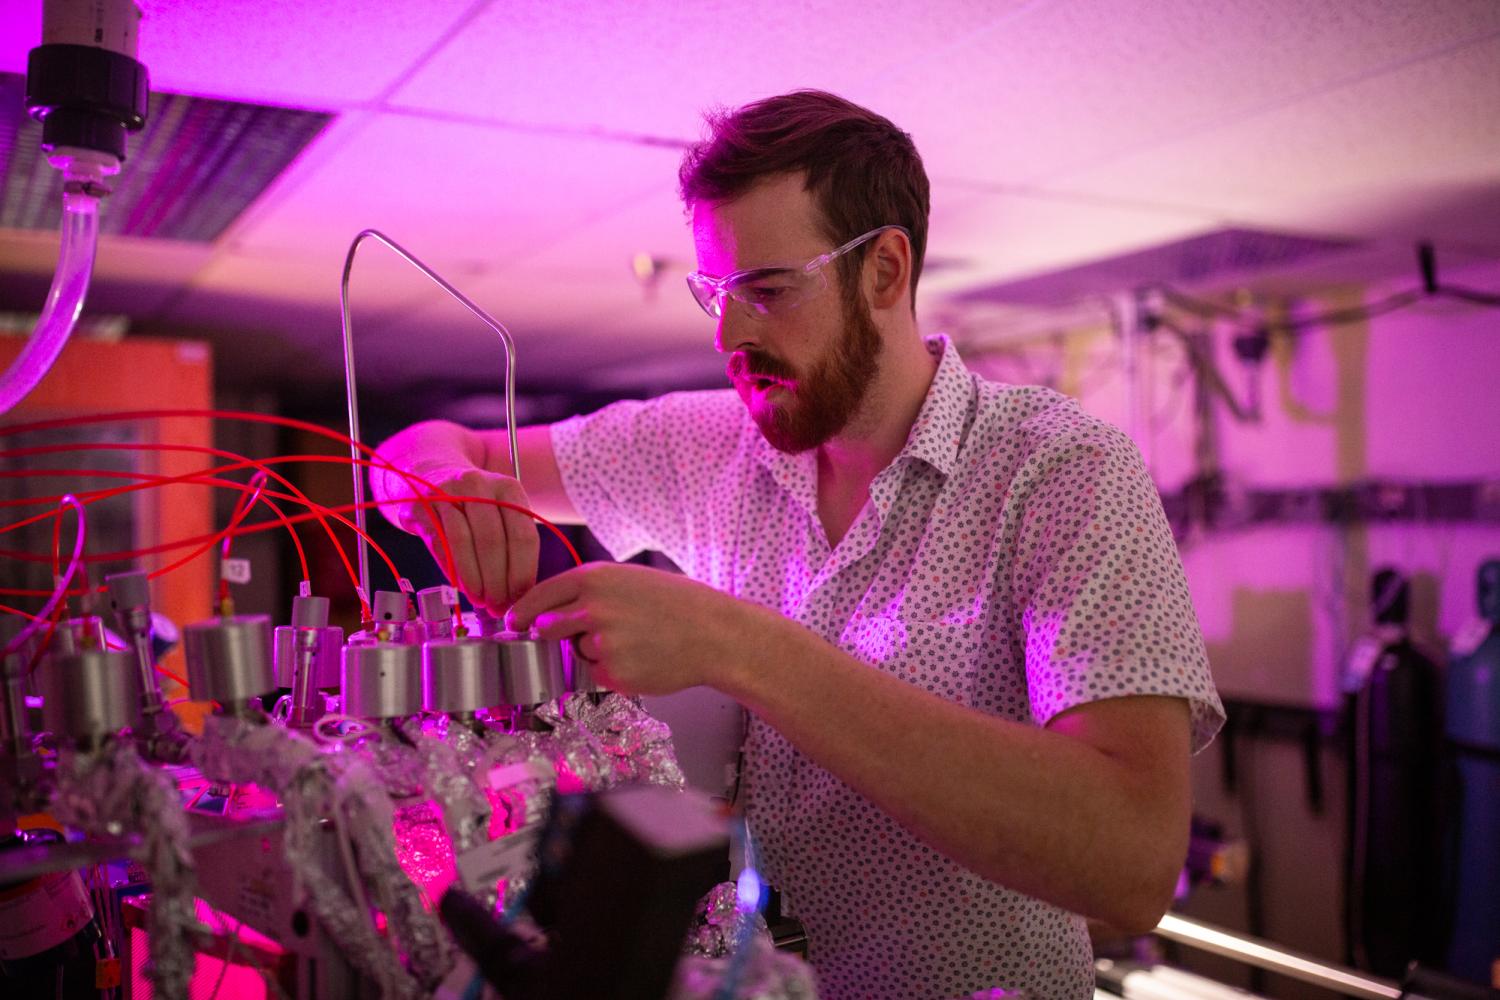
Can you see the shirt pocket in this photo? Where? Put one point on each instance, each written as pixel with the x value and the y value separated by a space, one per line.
pixel 942 657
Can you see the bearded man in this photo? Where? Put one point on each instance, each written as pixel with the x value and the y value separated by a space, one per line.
pixel 952 609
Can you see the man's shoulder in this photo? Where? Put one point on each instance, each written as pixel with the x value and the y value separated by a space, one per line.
pixel 1028 420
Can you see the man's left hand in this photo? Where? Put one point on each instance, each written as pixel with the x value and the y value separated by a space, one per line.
pixel 647 630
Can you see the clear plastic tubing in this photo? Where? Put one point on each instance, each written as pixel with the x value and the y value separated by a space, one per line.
pixel 75 264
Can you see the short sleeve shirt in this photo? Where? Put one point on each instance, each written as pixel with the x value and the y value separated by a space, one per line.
pixel 1014 558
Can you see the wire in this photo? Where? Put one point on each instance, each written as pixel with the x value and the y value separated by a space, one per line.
pixel 59 592
pixel 449 564
pixel 152 480
pixel 241 508
pixel 203 450
pixel 317 511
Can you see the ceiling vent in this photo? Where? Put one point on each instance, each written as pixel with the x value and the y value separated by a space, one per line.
pixel 195 167
pixel 1221 258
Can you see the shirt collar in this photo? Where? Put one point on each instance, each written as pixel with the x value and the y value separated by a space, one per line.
pixel 936 435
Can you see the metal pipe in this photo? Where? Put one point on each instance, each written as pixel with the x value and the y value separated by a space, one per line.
pixel 1264 955
pixel 349 381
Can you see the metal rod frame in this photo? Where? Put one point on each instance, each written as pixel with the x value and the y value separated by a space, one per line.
pixel 350 388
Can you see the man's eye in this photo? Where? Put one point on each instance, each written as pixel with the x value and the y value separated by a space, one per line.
pixel 765 294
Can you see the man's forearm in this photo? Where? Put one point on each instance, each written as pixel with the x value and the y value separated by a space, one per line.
pixel 1036 810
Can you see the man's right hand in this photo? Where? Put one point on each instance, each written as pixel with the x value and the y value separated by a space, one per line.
pixel 494 548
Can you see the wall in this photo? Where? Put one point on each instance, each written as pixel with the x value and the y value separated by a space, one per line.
pixel 1407 397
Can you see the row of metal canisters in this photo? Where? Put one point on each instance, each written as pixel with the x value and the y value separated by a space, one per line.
pixel 396 669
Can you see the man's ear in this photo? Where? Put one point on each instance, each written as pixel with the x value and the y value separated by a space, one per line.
pixel 889 263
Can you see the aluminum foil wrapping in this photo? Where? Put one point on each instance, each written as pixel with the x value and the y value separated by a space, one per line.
pixel 314 785
pixel 114 792
pixel 761 973
pixel 718 923
pixel 612 742
pixel 448 774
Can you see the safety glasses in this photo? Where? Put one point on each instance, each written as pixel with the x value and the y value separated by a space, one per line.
pixel 772 291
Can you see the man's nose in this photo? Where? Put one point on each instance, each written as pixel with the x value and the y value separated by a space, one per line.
pixel 735 331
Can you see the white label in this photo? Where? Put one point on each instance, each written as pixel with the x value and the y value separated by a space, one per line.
pixel 510 857
pixel 448 594
pixel 235 570
pixel 404 585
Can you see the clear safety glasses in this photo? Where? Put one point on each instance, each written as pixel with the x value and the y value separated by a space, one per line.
pixel 772 291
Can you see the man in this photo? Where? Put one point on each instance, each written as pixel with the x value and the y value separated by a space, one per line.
pixel 952 608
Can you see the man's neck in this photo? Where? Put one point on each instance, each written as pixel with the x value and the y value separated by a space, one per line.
pixel 848 462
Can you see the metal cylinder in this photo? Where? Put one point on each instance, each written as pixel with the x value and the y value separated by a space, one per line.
pixel 90 694
pixel 583 676
pixel 325 656
pixel 229 659
pixel 382 680
pixel 460 675
pixel 531 670
pixel 390 606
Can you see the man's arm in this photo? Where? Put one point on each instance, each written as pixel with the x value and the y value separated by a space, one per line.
pixel 494 548
pixel 1090 813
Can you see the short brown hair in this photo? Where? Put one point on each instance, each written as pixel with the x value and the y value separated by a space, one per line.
pixel 862 171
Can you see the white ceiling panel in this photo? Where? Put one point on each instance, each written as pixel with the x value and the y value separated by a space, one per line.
pixel 452 191
pixel 653 66
pixel 1349 160
pixel 984 237
pixel 327 55
pixel 1077 83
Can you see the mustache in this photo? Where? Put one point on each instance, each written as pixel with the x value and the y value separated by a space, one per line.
pixel 758 364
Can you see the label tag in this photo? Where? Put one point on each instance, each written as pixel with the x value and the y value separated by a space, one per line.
pixel 510 857
pixel 448 594
pixel 405 586
pixel 304 589
pixel 235 570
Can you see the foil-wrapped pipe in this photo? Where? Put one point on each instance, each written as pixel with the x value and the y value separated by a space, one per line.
pixel 111 792
pixel 343 787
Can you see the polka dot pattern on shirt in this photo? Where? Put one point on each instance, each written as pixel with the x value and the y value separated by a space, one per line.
pixel 1013 558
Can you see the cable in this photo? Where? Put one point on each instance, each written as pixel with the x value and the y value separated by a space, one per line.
pixel 449 564
pixel 241 507
pixel 248 529
pixel 191 478
pixel 195 449
pixel 60 591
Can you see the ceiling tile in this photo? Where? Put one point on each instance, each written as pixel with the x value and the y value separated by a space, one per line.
pixel 653 66
pixel 1075 83
pixel 1363 159
pixel 319 54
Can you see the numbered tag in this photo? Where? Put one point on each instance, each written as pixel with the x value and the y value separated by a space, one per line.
pixel 235 570
pixel 448 594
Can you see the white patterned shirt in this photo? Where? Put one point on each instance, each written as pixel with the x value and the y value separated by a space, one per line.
pixel 1014 558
